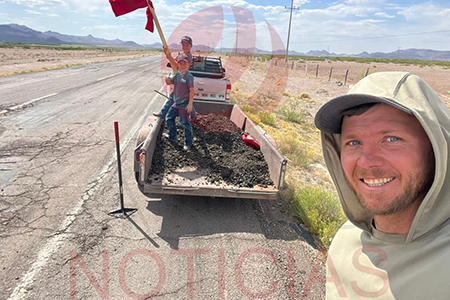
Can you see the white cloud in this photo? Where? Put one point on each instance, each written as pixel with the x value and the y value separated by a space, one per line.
pixel 33 12
pixel 27 2
pixel 339 27
pixel 86 6
pixel 384 15
pixel 427 13
pixel 46 14
pixel 363 2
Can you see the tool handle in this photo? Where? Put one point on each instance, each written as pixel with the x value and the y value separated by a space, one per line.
pixel 116 129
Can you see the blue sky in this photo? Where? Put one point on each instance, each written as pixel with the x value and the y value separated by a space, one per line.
pixel 351 26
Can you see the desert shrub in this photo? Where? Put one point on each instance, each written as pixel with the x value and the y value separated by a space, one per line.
pixel 291 112
pixel 320 210
pixel 238 96
pixel 266 98
pixel 267 117
pixel 254 117
pixel 248 109
pixel 304 96
pixel 293 148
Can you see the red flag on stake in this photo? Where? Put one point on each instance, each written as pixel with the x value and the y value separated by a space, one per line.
pixel 121 7
pixel 149 25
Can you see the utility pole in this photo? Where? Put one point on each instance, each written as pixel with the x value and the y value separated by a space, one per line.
pixel 237 40
pixel 289 31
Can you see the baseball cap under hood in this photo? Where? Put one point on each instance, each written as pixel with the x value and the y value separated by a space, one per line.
pixel 412 95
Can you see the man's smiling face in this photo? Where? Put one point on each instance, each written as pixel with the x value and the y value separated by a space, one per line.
pixel 387 159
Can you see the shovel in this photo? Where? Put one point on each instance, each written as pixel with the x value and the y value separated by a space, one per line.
pixel 249 140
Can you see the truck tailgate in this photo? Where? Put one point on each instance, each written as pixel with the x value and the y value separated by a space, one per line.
pixel 210 89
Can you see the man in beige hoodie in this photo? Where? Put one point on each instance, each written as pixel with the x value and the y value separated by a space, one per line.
pixel 386 145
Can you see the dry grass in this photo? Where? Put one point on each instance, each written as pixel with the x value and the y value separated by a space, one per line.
pixel 18 60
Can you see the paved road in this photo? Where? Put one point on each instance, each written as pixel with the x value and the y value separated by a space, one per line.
pixel 58 181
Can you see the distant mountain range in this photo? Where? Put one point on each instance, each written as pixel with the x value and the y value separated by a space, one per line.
pixel 14 33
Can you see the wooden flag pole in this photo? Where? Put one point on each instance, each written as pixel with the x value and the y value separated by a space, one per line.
pixel 155 19
pixel 161 34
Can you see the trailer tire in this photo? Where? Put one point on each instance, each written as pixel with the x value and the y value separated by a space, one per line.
pixel 136 176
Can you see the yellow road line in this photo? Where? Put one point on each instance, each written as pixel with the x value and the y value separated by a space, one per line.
pixel 103 78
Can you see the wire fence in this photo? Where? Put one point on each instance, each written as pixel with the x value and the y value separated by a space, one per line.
pixel 311 70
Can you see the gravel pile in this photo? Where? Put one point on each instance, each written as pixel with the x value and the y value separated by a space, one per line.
pixel 218 153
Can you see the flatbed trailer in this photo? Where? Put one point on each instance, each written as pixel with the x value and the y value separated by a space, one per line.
pixel 180 183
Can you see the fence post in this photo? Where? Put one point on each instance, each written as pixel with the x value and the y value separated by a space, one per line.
pixel 331 71
pixel 317 71
pixel 367 72
pixel 345 80
pixel 306 69
pixel 292 68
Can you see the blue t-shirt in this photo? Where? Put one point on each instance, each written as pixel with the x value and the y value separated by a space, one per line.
pixel 181 87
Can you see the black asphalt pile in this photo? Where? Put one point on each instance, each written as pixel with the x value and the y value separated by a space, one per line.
pixel 220 157
pixel 215 123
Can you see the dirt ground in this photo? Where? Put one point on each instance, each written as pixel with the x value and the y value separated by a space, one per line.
pixel 300 77
pixel 18 60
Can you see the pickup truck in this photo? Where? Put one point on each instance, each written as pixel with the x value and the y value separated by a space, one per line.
pixel 210 83
pixel 173 183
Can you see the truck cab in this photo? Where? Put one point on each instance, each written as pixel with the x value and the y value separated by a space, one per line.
pixel 210 82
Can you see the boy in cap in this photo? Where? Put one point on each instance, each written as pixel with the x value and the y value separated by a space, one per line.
pixel 183 97
pixel 186 46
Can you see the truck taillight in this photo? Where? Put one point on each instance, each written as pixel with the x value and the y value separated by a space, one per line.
pixel 228 93
pixel 137 156
pixel 142 167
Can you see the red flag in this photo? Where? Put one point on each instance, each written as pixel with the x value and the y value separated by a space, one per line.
pixel 121 7
pixel 149 25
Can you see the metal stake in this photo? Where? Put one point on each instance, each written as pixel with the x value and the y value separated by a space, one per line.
pixel 122 212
